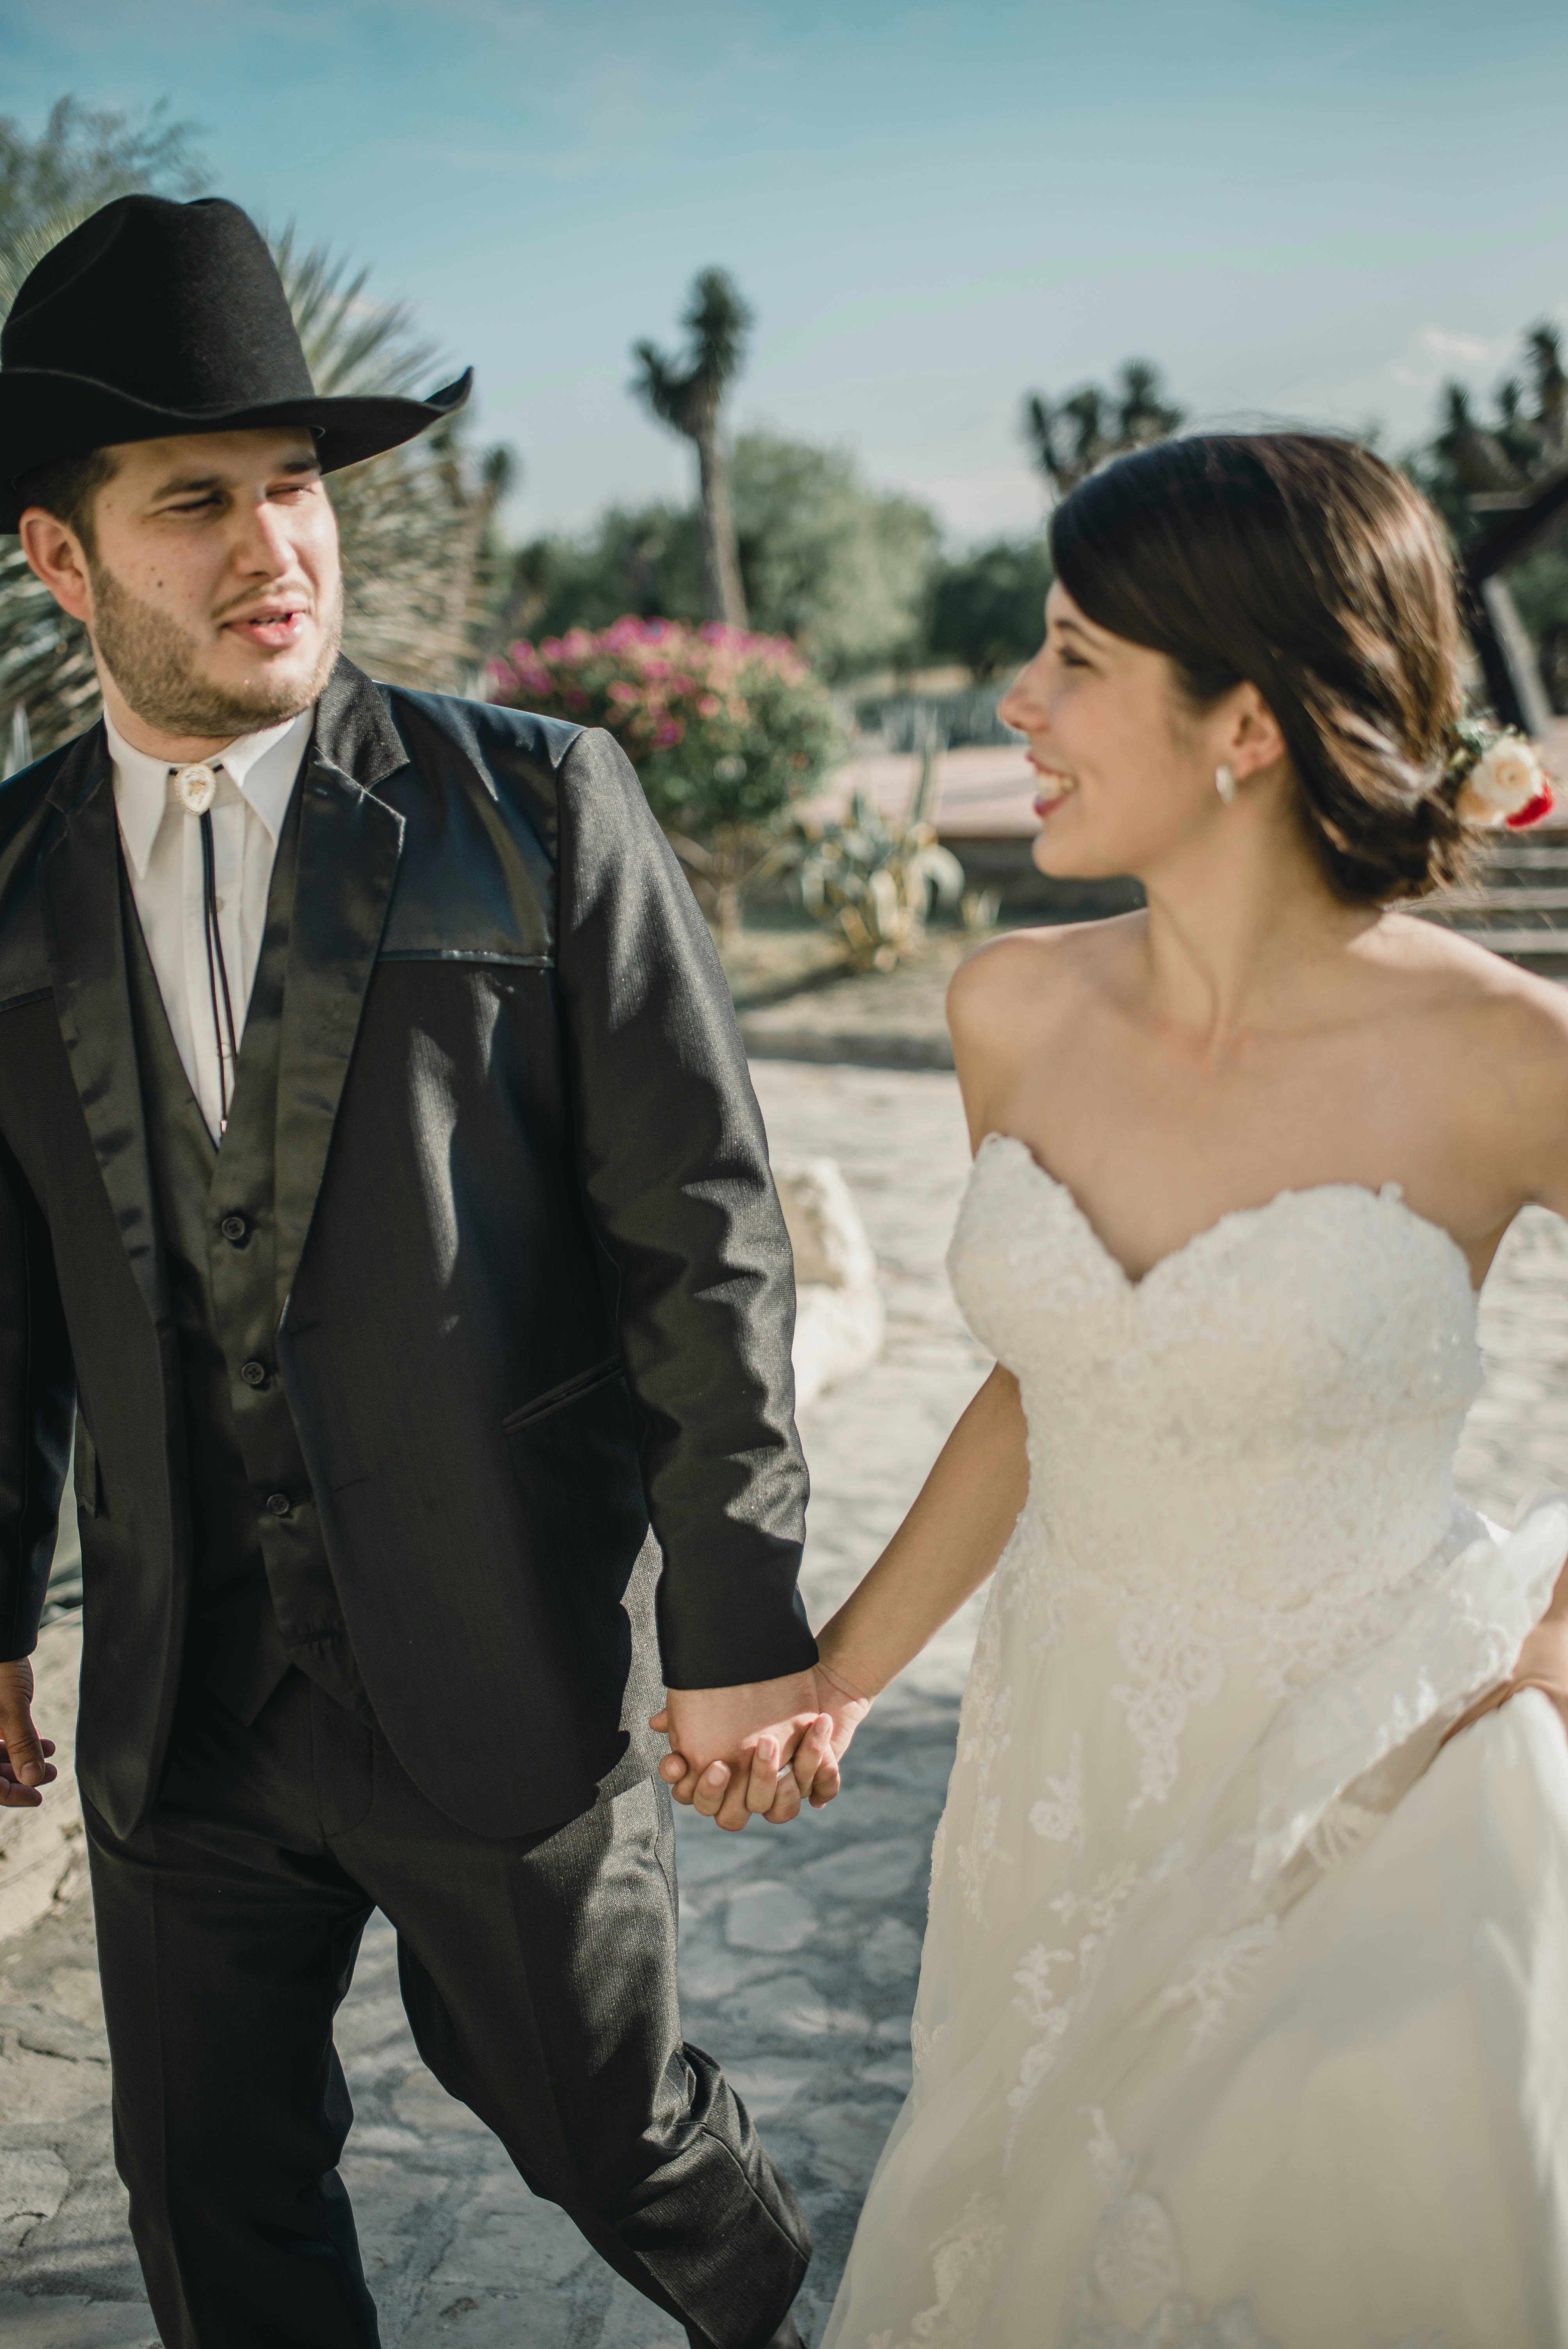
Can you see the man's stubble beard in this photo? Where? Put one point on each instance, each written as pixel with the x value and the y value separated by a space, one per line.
pixel 156 664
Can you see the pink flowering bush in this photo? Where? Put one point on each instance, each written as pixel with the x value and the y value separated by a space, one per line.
pixel 724 728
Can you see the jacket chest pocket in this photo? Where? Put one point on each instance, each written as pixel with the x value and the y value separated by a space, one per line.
pixel 576 1389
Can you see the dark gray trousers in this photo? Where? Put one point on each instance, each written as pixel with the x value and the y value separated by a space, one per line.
pixel 539 1976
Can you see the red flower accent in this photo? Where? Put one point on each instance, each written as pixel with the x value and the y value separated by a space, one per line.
pixel 1533 810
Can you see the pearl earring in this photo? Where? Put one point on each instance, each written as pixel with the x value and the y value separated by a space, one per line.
pixel 1226 784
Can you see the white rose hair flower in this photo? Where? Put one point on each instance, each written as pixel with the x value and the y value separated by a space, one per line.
pixel 1504 782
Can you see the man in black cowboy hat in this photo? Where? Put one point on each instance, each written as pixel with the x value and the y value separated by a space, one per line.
pixel 383 1199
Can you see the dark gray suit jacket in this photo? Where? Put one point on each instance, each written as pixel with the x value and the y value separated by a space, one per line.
pixel 533 1284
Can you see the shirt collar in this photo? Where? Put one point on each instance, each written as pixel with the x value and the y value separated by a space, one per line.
pixel 263 767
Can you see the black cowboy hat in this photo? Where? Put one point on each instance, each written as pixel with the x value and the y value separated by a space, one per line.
pixel 154 318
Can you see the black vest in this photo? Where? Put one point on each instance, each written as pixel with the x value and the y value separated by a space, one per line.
pixel 262 1594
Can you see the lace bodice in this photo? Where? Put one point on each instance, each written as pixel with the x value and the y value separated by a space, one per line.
pixel 1256 1438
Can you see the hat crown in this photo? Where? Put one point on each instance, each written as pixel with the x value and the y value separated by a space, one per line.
pixel 177 304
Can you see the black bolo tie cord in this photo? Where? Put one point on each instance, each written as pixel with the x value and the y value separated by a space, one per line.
pixel 217 975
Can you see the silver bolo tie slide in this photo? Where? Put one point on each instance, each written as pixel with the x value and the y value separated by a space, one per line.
pixel 196 788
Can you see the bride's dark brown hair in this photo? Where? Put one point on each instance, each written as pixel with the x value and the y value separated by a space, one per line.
pixel 1309 568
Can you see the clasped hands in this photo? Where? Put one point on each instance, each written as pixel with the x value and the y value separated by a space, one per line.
pixel 760 1750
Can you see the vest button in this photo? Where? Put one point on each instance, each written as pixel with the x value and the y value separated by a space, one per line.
pixel 253 1374
pixel 279 1504
pixel 234 1229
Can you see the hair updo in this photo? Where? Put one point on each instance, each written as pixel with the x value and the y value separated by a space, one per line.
pixel 1307 567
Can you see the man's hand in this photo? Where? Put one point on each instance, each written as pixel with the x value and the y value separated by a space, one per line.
pixel 758 1751
pixel 719 1738
pixel 24 1765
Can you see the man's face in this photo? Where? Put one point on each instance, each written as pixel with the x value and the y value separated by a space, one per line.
pixel 213 589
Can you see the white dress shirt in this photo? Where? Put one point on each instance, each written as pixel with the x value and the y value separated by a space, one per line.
pixel 163 843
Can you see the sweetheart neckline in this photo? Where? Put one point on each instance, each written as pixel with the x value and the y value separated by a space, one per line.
pixel 1390 1194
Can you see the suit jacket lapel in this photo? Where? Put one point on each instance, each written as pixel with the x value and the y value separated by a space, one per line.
pixel 79 883
pixel 349 844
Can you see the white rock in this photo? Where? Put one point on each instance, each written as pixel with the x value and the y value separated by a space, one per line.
pixel 840 1322
pixel 837 1332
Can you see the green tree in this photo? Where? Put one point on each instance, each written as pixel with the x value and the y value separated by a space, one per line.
pixel 825 559
pixel 1475 466
pixel 1069 438
pixel 688 395
pixel 987 609
pixel 642 560
pixel 839 566
pixel 1472 463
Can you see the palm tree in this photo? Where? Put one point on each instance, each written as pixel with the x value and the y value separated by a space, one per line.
pixel 1543 356
pixel 1478 456
pixel 414 525
pixel 1070 437
pixel 688 395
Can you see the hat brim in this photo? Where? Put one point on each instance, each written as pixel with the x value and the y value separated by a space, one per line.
pixel 45 415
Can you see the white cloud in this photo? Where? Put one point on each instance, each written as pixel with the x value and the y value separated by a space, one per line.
pixel 1450 342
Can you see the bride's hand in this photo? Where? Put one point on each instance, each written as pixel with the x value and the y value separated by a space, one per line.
pixel 772 1781
pixel 1542 1664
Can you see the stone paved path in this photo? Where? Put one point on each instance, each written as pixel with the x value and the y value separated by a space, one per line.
pixel 798 1949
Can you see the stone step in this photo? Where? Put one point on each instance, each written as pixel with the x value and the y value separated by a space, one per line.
pixel 1509 903
pixel 1543 949
pixel 1514 859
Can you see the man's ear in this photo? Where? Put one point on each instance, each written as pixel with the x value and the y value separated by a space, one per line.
pixel 54 553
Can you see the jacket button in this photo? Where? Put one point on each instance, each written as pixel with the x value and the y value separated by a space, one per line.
pixel 279 1504
pixel 253 1374
pixel 234 1229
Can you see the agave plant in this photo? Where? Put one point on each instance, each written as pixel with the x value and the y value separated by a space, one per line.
pixel 415 523
pixel 874 881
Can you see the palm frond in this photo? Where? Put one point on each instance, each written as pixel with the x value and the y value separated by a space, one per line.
pixel 21 253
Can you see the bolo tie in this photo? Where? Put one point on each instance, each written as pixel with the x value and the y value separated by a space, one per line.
pixel 196 788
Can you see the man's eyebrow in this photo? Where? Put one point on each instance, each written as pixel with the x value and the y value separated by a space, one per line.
pixel 182 484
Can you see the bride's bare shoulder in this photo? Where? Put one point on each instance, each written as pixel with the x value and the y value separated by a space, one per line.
pixel 1482 999
pixel 1025 975
pixel 1499 1041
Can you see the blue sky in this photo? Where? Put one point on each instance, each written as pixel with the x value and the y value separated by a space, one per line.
pixel 1305 212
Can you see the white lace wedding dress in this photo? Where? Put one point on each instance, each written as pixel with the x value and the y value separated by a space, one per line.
pixel 1244 2021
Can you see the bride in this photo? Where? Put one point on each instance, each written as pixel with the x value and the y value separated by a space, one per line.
pixel 1243 2015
